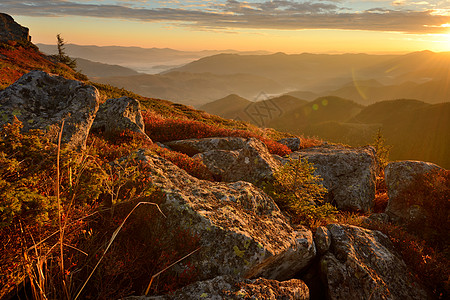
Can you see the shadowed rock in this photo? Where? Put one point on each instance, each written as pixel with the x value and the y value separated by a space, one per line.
pixel 362 264
pixel 195 146
pixel 241 230
pixel 227 287
pixel 42 101
pixel 291 143
pixel 12 31
pixel 120 114
pixel 399 176
pixel 348 174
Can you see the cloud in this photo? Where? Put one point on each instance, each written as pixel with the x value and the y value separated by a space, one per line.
pixel 233 14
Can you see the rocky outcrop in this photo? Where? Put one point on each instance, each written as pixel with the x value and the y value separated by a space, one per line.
pixel 241 230
pixel 362 264
pixel 12 31
pixel 231 158
pixel 399 177
pixel 227 287
pixel 42 101
pixel 195 146
pixel 120 114
pixel 252 162
pixel 291 143
pixel 348 174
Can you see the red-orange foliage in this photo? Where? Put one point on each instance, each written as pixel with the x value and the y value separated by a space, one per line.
pixel 115 146
pixel 381 197
pixel 431 267
pixel 17 59
pixel 170 129
pixel 138 252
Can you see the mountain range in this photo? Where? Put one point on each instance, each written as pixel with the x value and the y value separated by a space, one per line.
pixel 415 129
pixel 193 79
pixel 144 60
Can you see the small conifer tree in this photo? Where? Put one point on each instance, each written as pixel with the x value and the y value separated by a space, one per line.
pixel 299 192
pixel 62 56
pixel 382 150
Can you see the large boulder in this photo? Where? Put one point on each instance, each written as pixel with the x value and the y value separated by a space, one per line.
pixel 252 162
pixel 399 178
pixel 118 115
pixel 292 143
pixel 362 264
pixel 227 287
pixel 194 146
pixel 12 31
pixel 42 101
pixel 348 174
pixel 241 230
pixel 419 199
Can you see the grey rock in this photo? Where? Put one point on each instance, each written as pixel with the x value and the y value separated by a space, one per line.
pixel 12 31
pixel 399 176
pixel 252 163
pixel 42 101
pixel 241 230
pixel 322 239
pixel 291 143
pixel 362 264
pixel 348 174
pixel 377 217
pixel 195 146
pixel 227 287
pixel 120 114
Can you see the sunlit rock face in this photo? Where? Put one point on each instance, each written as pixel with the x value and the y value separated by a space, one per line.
pixel 348 174
pixel 241 230
pixel 12 31
pixel 120 114
pixel 362 264
pixel 232 158
pixel 399 177
pixel 42 101
pixel 227 287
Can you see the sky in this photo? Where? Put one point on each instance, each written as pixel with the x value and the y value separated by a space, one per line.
pixel 325 26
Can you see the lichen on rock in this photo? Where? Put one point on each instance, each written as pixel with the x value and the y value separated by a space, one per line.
pixel 242 231
pixel 42 101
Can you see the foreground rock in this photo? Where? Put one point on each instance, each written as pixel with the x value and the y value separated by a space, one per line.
pixel 12 31
pixel 348 174
pixel 120 114
pixel 399 177
pixel 42 101
pixel 362 264
pixel 227 287
pixel 252 162
pixel 241 230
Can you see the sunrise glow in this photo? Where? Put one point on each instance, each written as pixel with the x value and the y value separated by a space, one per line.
pixel 286 26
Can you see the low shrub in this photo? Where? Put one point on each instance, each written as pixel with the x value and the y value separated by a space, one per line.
pixel 429 265
pixel 431 192
pixel 298 191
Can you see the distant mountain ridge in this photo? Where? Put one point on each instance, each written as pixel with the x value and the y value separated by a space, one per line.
pixel 413 128
pixel 94 69
pixel 194 89
pixel 145 60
